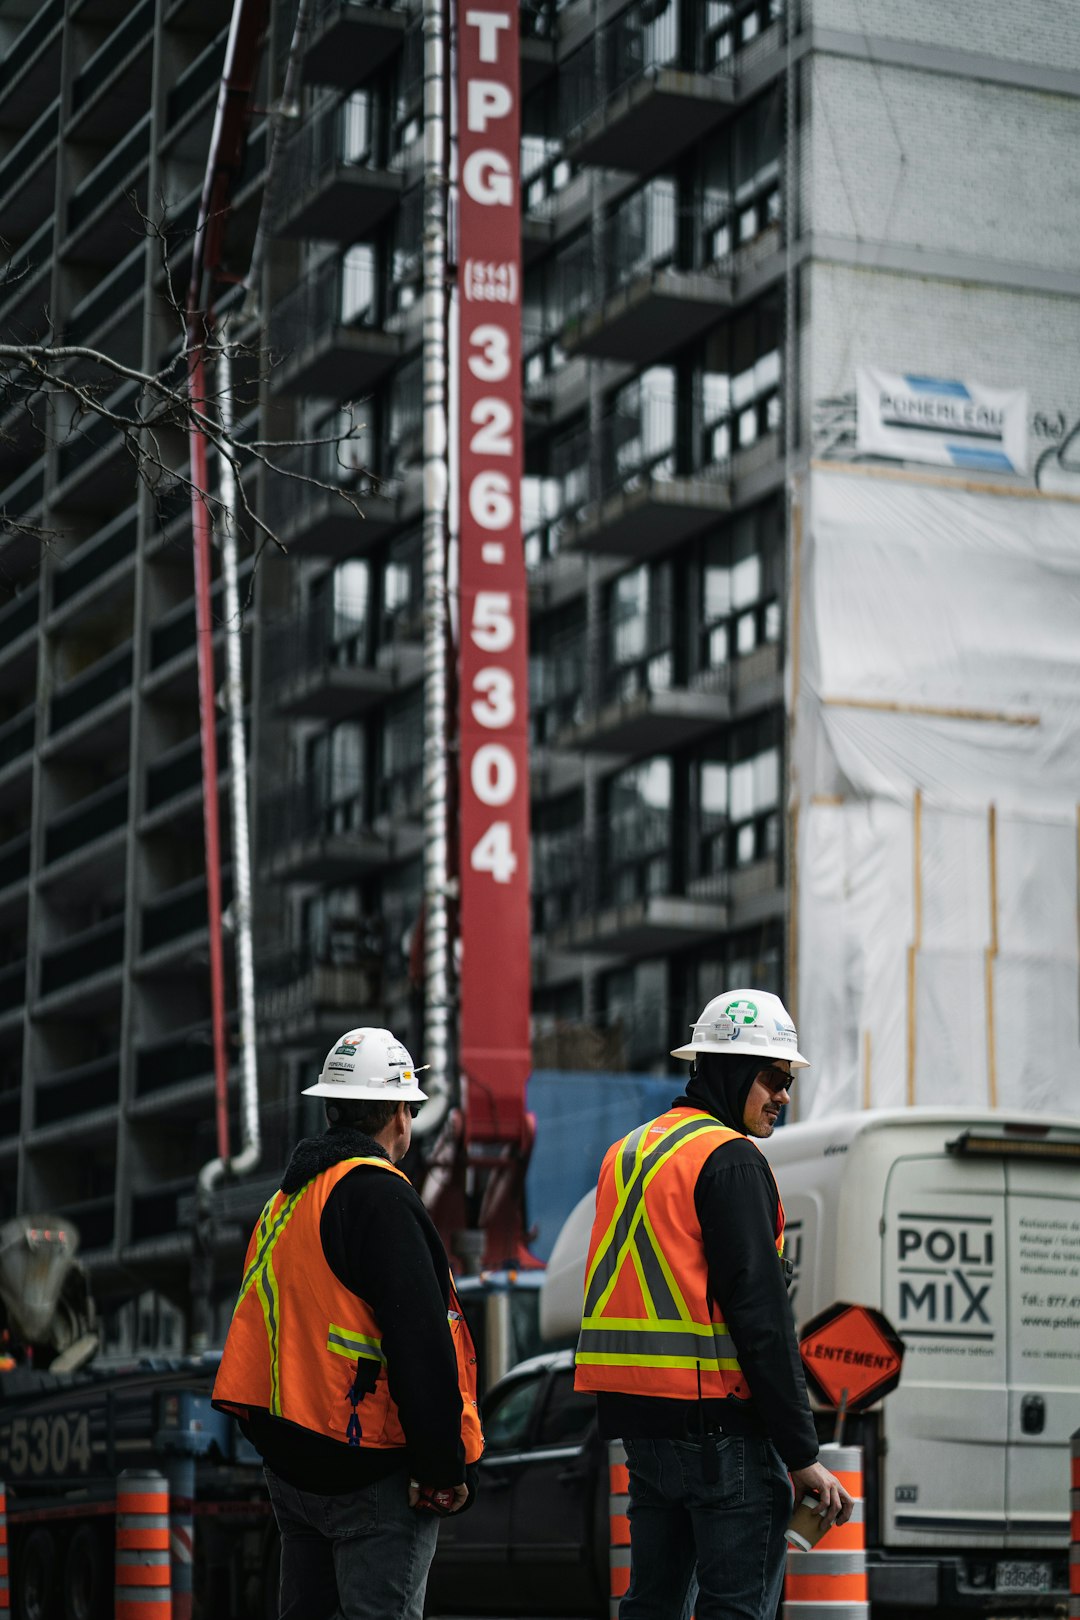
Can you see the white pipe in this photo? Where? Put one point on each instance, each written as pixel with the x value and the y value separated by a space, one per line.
pixel 251 1152
pixel 437 1082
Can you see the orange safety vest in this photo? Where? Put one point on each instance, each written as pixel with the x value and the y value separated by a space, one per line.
pixel 649 1326
pixel 304 1347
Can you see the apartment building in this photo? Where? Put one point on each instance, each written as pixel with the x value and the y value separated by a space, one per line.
pixel 726 209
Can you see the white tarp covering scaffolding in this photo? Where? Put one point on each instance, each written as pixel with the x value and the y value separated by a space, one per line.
pixel 935 793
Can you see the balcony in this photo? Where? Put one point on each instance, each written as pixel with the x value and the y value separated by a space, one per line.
pixel 185 1059
pixel 17 748
pixel 656 286
pixel 173 918
pixel 88 963
pixel 93 211
pixel 96 689
pixel 627 495
pixel 173 640
pixel 83 827
pixel 28 177
pixel 196 81
pixel 350 40
pixel 122 64
pixel 325 338
pixel 18 637
pixel 310 516
pixel 655 94
pixel 94 467
pixel 334 187
pixel 24 298
pixel 12 993
pixel 305 998
pixel 621 895
pixel 110 299
pixel 639 693
pixel 31 67
pixel 87 1088
pixel 320 666
pixel 314 831
pixel 93 563
pixel 14 861
pixel 178 771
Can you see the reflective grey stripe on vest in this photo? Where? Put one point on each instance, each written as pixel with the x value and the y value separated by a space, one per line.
pixel 712 1347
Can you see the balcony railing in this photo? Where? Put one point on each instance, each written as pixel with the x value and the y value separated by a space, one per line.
pixel 196 80
pixel 181 911
pixel 323 638
pixel 17 736
pixel 310 811
pixel 107 298
pixel 104 680
pixel 629 653
pixel 649 231
pixel 15 860
pixel 336 295
pixel 78 1090
pixel 18 616
pixel 93 951
pixel 347 136
pixel 28 149
pixel 633 860
pixel 98 554
pixel 312 473
pixel 642 39
pixel 138 22
pixel 178 770
pixel 12 985
pixel 296 985
pixel 92 818
pixel 29 41
pixel 108 178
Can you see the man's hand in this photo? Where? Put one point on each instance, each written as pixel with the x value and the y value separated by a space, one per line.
pixel 432 1499
pixel 837 1502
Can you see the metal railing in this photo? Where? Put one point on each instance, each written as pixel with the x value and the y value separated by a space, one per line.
pixel 322 638
pixel 631 859
pixel 107 58
pixel 104 680
pixel 311 475
pixel 327 804
pixel 350 135
pixel 648 231
pixel 335 295
pixel 99 813
pixel 643 39
pixel 295 984
pixel 626 654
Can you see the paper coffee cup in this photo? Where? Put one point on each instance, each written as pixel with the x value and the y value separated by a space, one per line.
pixel 807 1525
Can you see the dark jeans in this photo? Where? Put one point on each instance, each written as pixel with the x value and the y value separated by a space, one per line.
pixel 730 1533
pixel 362 1555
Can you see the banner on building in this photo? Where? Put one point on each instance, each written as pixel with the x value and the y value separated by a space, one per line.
pixel 940 420
pixel 494 810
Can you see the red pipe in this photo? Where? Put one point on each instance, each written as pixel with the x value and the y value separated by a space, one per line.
pixel 204 635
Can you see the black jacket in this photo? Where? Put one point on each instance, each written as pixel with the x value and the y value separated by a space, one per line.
pixel 736 1203
pixel 379 1242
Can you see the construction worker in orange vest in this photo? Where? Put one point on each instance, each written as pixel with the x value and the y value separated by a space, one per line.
pixel 687 1335
pixel 348 1361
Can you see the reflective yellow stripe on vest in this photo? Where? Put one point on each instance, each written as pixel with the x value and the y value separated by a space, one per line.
pixel 667 1336
pixel 260 1276
pixel 344 1342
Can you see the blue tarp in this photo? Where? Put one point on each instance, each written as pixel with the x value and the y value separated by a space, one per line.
pixel 578 1116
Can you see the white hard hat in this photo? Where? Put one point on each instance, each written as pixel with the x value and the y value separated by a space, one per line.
pixel 754 1022
pixel 366 1064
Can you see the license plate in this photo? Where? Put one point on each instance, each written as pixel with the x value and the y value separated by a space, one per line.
pixel 1017 1577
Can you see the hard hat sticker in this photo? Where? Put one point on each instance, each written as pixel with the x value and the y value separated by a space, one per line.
pixel 345 1051
pixel 743 1012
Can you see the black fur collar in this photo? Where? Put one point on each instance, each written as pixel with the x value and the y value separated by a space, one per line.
pixel 318 1153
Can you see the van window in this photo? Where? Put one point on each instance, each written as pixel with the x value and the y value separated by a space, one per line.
pixel 508 1416
pixel 568 1413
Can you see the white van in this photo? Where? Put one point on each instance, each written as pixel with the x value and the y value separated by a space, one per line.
pixel 964 1229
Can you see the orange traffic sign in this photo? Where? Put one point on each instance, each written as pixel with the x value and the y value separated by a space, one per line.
pixel 852 1348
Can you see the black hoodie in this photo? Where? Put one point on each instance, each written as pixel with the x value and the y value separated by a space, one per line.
pixel 736 1203
pixel 379 1242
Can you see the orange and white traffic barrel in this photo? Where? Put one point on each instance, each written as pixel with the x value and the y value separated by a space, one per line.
pixel 143 1582
pixel 5 1578
pixel 829 1581
pixel 619 1532
pixel 1074 1530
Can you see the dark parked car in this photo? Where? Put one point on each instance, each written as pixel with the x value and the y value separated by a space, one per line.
pixel 536 1539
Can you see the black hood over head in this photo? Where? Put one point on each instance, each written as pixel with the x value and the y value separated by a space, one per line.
pixel 721 1085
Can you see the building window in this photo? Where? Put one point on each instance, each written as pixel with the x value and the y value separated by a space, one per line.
pixel 639 832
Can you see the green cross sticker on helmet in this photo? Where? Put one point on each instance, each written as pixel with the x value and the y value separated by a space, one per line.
pixel 744 1023
pixel 743 1012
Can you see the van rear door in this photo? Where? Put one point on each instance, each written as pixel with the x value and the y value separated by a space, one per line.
pixel 1043 1204
pixel 943 1290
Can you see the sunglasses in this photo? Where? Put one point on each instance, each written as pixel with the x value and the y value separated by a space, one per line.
pixel 414 1108
pixel 775 1080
